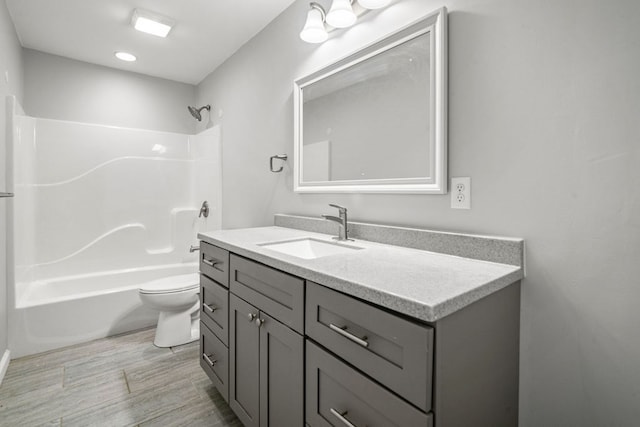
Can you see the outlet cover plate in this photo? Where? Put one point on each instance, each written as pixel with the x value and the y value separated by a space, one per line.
pixel 461 193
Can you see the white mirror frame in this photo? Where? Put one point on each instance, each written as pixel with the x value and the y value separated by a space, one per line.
pixel 434 23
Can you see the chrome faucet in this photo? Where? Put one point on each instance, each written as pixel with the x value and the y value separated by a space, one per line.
pixel 343 232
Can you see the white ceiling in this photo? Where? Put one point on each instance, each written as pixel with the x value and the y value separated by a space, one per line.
pixel 206 33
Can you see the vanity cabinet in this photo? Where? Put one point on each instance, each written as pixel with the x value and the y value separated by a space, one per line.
pixel 300 353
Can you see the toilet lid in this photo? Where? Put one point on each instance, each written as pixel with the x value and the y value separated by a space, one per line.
pixel 169 284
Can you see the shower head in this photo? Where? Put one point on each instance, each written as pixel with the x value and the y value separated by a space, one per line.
pixel 195 112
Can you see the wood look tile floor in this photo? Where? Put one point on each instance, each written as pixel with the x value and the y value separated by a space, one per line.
pixel 117 381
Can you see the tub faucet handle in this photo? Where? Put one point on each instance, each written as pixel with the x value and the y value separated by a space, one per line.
pixel 204 209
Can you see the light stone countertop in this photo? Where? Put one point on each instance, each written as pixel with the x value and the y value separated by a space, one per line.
pixel 418 283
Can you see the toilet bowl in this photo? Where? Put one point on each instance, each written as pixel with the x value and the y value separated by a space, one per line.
pixel 177 299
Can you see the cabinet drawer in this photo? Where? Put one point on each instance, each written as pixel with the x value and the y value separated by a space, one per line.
pixel 214 262
pixel 214 359
pixel 215 308
pixel 276 293
pixel 394 351
pixel 337 395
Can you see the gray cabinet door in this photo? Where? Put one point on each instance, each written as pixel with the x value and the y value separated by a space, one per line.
pixel 214 262
pixel 337 395
pixel 244 355
pixel 394 351
pixel 214 360
pixel 215 307
pixel 279 294
pixel 281 375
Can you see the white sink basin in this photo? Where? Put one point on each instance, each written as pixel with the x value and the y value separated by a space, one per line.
pixel 309 248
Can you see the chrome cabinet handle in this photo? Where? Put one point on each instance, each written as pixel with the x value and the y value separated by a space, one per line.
pixel 341 417
pixel 259 321
pixel 211 262
pixel 251 317
pixel 342 331
pixel 209 308
pixel 208 360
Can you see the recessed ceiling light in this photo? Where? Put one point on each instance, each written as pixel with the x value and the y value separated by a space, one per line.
pixel 124 56
pixel 151 23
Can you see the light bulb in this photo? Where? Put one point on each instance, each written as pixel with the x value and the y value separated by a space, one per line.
pixel 373 4
pixel 314 30
pixel 341 14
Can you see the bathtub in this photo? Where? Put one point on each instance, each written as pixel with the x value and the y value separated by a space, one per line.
pixel 68 310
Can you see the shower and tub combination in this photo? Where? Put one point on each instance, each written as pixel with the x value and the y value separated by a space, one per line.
pixel 99 211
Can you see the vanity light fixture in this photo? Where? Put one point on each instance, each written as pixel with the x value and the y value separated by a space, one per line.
pixel 151 23
pixel 125 56
pixel 314 30
pixel 341 14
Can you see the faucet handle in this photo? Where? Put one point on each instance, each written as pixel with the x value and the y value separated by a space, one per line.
pixel 340 208
pixel 204 210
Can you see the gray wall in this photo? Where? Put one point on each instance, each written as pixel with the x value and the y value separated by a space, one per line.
pixel 11 61
pixel 66 89
pixel 544 116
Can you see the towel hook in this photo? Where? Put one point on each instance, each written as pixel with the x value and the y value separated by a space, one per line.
pixel 282 157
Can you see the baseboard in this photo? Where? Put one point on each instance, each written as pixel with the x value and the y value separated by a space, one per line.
pixel 4 364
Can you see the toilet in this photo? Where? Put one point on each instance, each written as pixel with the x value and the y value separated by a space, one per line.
pixel 177 299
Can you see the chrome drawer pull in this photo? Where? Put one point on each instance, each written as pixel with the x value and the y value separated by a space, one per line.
pixel 208 360
pixel 251 317
pixel 210 262
pixel 341 417
pixel 342 331
pixel 209 308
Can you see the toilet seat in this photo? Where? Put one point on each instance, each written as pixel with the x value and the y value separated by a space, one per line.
pixel 173 284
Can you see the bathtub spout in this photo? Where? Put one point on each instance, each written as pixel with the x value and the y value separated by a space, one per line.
pixel 194 248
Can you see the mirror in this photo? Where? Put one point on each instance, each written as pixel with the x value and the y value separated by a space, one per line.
pixel 375 121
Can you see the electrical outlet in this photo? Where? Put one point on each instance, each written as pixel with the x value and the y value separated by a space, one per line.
pixel 461 193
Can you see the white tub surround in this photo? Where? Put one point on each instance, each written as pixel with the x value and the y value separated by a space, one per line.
pixel 92 198
pixel 426 285
pixel 99 210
